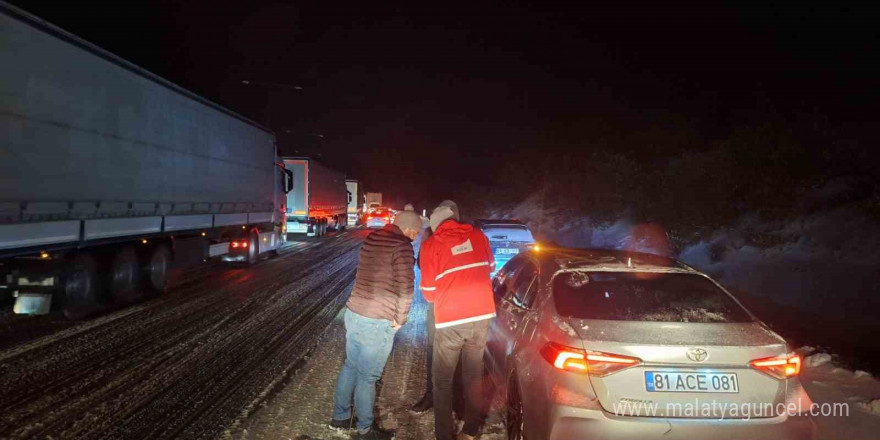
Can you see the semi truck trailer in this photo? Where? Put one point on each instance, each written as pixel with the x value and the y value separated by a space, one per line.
pixel 353 201
pixel 319 199
pixel 373 200
pixel 110 174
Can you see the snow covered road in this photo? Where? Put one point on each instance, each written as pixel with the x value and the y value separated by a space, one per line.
pixel 185 365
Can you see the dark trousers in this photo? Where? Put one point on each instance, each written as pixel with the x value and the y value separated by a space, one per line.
pixel 465 341
pixel 429 321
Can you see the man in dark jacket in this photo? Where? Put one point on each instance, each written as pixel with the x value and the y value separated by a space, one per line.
pixel 378 306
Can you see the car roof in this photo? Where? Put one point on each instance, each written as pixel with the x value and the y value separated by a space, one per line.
pixel 499 222
pixel 608 259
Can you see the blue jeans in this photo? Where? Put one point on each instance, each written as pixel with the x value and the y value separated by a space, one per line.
pixel 368 343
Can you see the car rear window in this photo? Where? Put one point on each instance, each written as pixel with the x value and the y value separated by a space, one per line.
pixel 508 233
pixel 644 296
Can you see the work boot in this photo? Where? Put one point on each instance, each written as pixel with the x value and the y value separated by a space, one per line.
pixel 344 424
pixel 376 433
pixel 425 404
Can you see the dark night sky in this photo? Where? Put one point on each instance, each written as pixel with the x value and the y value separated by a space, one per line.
pixel 427 94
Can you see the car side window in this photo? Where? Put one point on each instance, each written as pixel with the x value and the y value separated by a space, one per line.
pixel 532 293
pixel 502 281
pixel 522 286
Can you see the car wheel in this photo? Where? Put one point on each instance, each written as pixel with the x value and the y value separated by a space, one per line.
pixel 514 422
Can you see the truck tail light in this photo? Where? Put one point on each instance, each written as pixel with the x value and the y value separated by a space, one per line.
pixel 239 244
pixel 780 367
pixel 586 362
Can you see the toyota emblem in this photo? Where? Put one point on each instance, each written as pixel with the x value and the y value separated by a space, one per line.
pixel 697 354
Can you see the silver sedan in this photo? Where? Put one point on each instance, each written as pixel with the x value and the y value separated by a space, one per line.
pixel 612 345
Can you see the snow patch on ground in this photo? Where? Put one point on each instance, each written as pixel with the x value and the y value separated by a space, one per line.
pixel 817 360
pixel 857 392
pixel 871 407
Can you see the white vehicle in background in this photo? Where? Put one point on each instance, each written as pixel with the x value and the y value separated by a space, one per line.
pixel 507 238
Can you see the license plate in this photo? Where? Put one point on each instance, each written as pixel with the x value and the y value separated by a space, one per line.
pixel 507 251
pixel 675 382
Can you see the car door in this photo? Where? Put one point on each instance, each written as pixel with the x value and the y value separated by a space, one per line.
pixel 496 339
pixel 514 310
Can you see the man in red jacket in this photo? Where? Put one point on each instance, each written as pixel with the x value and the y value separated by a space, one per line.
pixel 456 262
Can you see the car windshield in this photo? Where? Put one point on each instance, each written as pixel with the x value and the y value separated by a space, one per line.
pixel 508 233
pixel 644 296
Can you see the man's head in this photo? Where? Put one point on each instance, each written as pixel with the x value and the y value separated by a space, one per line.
pixel 408 207
pixel 440 215
pixel 453 206
pixel 409 222
pixel 447 209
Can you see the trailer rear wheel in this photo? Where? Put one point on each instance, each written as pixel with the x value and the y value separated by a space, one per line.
pixel 278 244
pixel 125 276
pixel 253 252
pixel 81 284
pixel 156 269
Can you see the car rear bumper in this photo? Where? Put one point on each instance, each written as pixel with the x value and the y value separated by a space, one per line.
pixel 572 422
pixel 297 227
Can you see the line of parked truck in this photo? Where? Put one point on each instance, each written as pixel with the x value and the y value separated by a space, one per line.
pixel 109 175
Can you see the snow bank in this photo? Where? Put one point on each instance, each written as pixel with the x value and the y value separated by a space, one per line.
pixel 551 225
pixel 872 407
pixel 816 360
pixel 824 262
pixel 862 374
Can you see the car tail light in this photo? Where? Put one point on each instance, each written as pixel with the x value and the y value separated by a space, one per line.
pixel 586 362
pixel 780 367
pixel 239 244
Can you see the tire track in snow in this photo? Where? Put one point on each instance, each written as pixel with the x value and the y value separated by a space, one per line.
pixel 183 365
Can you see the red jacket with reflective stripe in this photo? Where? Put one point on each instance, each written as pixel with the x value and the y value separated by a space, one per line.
pixel 456 262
